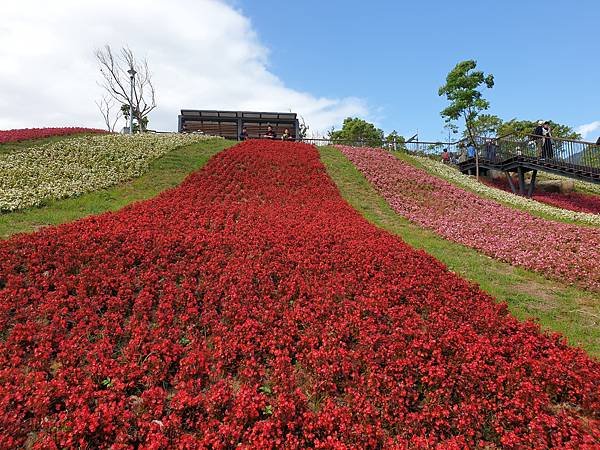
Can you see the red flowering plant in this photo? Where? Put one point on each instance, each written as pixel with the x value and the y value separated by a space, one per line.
pixel 252 306
pixel 37 133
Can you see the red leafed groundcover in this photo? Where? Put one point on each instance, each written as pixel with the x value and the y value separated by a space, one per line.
pixel 38 133
pixel 253 305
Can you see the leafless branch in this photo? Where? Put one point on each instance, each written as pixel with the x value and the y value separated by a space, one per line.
pixel 109 114
pixel 117 81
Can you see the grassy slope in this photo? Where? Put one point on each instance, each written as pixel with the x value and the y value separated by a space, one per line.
pixel 10 147
pixel 572 312
pixel 164 173
pixel 415 162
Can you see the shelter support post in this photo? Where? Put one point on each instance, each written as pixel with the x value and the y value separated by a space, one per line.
pixel 532 183
pixel 510 182
pixel 521 173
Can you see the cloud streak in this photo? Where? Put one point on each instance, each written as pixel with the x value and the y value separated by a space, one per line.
pixel 203 54
pixel 588 129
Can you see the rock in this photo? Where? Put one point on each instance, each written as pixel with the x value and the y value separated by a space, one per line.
pixel 497 175
pixel 548 186
pixel 567 186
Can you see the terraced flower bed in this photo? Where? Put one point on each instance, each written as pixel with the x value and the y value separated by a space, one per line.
pixel 68 168
pixel 25 134
pixel 253 306
pixel 566 252
pixel 573 201
pixel 549 209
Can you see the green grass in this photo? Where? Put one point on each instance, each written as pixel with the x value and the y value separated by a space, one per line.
pixel 10 147
pixel 570 311
pixel 164 173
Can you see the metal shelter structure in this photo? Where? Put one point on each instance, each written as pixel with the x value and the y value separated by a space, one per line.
pixel 229 124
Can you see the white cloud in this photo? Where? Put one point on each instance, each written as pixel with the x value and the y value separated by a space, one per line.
pixel 587 129
pixel 203 54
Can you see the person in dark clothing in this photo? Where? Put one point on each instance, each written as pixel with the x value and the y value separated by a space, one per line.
pixel 244 134
pixel 270 134
pixel 547 150
pixel 538 134
pixel 286 135
pixel 490 150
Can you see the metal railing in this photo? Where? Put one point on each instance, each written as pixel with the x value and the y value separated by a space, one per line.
pixel 549 150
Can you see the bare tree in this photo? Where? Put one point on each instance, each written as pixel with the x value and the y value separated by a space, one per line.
pixel 111 116
pixel 117 81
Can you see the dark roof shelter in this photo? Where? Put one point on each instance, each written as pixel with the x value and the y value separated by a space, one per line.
pixel 229 124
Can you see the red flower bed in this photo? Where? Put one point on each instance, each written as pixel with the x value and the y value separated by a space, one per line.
pixel 38 133
pixel 573 201
pixel 252 305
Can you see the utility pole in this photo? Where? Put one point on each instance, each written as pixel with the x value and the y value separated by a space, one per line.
pixel 131 73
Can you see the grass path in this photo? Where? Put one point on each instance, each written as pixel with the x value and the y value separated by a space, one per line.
pixel 164 173
pixel 570 311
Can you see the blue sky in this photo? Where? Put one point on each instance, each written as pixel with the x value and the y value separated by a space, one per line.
pixel 395 55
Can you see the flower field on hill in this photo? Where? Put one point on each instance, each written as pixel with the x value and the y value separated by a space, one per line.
pixel 552 210
pixel 252 305
pixel 62 169
pixel 573 201
pixel 24 134
pixel 562 251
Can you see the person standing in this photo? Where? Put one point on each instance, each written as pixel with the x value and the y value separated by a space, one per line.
pixel 538 134
pixel 462 153
pixel 471 150
pixel 445 156
pixel 286 135
pixel 244 134
pixel 547 150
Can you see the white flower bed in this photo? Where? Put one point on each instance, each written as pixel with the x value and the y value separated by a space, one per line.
pixel 72 167
pixel 454 176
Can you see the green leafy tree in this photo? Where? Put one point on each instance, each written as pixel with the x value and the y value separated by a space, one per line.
pixel 125 111
pixel 355 130
pixel 462 91
pixel 395 138
pixel 521 128
pixel 136 119
pixel 485 125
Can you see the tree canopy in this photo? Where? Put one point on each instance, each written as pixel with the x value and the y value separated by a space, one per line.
pixel 485 125
pixel 521 128
pixel 462 89
pixel 355 130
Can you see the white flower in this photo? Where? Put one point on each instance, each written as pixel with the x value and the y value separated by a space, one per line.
pixel 72 167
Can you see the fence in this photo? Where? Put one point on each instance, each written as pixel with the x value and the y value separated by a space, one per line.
pixel 558 151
